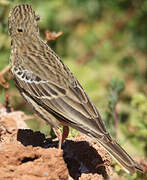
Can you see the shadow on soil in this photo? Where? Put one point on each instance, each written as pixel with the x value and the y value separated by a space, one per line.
pixel 79 156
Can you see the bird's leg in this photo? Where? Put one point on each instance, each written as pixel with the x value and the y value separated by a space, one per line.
pixel 65 133
pixel 61 136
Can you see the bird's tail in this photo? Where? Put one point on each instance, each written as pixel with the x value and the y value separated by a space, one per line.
pixel 121 156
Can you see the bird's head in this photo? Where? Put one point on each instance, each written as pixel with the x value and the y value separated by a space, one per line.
pixel 22 20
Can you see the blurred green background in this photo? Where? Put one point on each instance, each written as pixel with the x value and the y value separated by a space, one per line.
pixel 104 43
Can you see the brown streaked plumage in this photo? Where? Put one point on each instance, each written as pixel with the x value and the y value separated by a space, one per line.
pixel 51 89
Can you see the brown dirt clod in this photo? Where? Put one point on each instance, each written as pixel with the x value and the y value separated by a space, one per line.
pixel 29 155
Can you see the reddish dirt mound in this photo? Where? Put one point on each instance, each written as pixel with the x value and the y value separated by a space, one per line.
pixel 20 162
pixel 25 154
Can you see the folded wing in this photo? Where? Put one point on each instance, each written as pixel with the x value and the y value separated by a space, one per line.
pixel 71 105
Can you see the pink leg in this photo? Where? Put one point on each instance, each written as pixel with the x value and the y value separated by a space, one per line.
pixel 65 133
pixel 61 136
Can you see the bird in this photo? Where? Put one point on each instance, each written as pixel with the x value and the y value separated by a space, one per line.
pixel 52 90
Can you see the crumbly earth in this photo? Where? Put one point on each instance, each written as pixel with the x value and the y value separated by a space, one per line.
pixel 20 162
pixel 29 155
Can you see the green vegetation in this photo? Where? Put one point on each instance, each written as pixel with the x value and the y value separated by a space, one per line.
pixel 104 43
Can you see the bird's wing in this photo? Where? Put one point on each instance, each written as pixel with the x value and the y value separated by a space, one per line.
pixel 71 104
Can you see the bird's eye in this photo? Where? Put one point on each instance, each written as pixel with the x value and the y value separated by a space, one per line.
pixel 19 30
pixel 37 18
